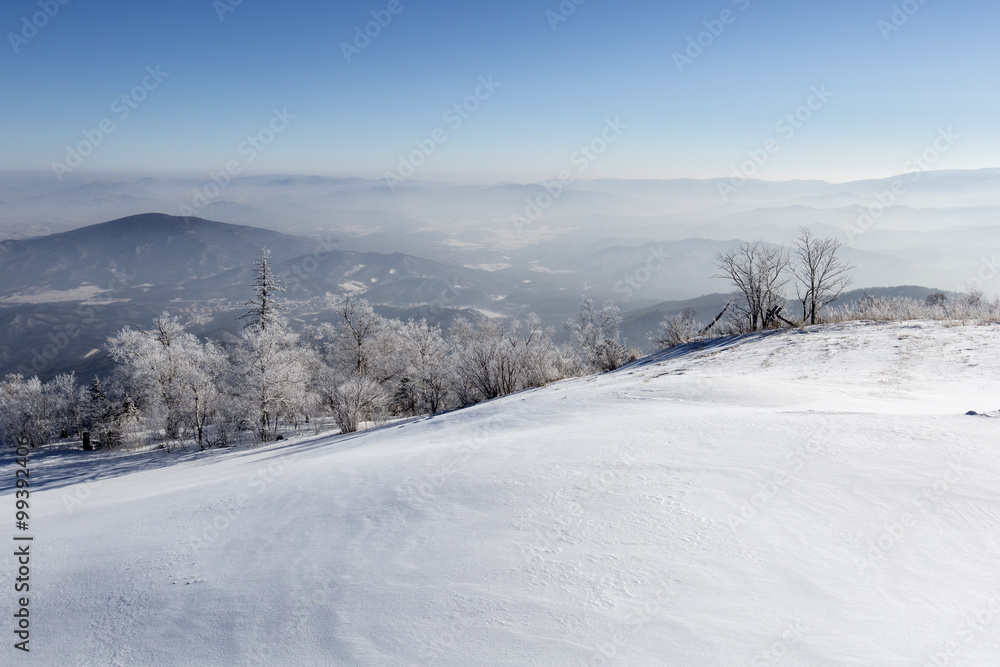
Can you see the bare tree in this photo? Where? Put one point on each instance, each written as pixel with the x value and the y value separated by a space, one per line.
pixel 758 272
pixel 820 274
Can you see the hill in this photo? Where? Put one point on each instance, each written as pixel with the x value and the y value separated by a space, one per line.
pixel 63 294
pixel 796 497
pixel 150 249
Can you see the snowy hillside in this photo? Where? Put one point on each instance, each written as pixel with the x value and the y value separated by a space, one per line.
pixel 804 497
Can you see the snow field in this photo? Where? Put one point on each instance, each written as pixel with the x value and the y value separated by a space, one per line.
pixel 802 497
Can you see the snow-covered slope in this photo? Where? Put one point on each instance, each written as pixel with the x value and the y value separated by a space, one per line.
pixel 815 497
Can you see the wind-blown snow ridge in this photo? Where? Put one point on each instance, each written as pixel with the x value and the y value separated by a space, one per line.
pixel 803 497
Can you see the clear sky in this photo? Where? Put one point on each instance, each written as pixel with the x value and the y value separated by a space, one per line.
pixel 559 82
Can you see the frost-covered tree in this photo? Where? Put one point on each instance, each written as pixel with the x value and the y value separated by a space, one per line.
pixel 677 329
pixel 270 376
pixel 569 361
pixel 758 272
pixel 68 403
pixel 102 416
pixel 597 334
pixel 355 400
pixel 362 363
pixel 264 307
pixel 150 364
pixel 362 343
pixel 206 368
pixel 26 411
pixel 820 274
pixel 425 380
pixel 492 358
pixel 174 376
pixel 483 361
pixel 538 353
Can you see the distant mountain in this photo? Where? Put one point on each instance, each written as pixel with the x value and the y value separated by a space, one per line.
pixel 149 249
pixel 63 294
pixel 936 230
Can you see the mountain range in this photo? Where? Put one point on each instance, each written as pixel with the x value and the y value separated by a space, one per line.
pixel 63 294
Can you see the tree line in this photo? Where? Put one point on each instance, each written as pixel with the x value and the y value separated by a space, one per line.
pixel 169 386
pixel 759 274
pixel 172 388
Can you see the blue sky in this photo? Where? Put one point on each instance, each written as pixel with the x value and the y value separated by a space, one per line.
pixel 890 91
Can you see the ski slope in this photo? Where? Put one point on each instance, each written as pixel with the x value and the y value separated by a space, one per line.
pixel 814 497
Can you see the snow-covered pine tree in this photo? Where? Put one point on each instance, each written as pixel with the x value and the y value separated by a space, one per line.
pixel 264 307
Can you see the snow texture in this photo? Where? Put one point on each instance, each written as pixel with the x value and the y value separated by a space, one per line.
pixel 802 497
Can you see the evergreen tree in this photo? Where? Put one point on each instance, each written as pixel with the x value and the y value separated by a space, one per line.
pixel 264 307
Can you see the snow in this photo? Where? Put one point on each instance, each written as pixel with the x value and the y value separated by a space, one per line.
pixel 85 293
pixel 804 497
